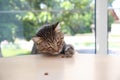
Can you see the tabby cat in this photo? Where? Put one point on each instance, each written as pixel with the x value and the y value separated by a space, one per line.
pixel 50 40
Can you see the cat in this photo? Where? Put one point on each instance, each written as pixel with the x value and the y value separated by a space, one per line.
pixel 50 40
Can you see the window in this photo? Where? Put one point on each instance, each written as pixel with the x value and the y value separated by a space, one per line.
pixel 114 26
pixel 21 18
pixel 101 27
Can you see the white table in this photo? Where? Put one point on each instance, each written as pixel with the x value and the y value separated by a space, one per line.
pixel 79 67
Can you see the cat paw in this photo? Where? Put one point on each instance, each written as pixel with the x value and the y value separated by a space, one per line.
pixel 69 51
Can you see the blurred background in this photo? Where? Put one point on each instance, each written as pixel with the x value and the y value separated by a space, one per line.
pixel 20 19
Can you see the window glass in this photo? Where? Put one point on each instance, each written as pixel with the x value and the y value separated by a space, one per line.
pixel 20 19
pixel 114 26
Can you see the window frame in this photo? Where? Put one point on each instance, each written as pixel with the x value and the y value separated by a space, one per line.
pixel 101 35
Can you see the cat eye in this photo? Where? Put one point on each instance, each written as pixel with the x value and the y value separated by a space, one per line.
pixel 58 43
pixel 49 48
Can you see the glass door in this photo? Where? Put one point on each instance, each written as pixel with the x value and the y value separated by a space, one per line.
pixel 20 19
pixel 114 26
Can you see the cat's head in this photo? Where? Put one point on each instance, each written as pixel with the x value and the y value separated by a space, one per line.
pixel 49 39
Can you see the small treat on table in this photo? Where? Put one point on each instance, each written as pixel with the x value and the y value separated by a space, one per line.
pixel 45 73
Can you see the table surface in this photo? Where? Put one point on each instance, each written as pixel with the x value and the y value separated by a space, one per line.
pixel 79 67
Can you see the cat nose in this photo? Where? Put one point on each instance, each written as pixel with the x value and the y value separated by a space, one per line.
pixel 56 49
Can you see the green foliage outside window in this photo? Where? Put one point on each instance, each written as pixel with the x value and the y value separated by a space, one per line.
pixel 21 18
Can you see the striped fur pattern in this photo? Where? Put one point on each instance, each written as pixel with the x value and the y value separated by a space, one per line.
pixel 50 40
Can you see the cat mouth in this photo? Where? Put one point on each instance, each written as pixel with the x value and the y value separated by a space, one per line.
pixel 55 53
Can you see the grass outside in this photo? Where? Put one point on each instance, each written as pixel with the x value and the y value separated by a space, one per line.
pixel 114 41
pixel 10 49
pixel 14 52
pixel 114 45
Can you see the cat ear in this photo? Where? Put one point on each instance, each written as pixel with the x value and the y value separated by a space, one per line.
pixel 57 26
pixel 37 39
